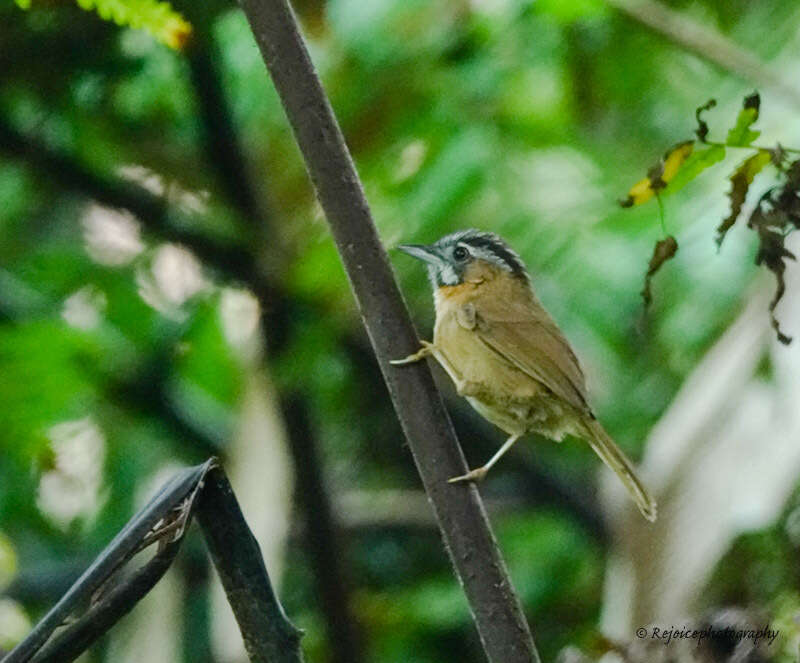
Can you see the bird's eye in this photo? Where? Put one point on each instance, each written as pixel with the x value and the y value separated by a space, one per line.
pixel 460 253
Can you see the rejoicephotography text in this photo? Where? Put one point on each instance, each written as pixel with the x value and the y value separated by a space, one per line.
pixel 667 635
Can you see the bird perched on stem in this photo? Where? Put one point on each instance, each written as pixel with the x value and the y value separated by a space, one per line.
pixel 506 355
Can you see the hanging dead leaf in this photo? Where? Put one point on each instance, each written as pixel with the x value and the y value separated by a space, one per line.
pixel 741 180
pixel 771 223
pixel 664 250
pixel 773 254
pixel 702 125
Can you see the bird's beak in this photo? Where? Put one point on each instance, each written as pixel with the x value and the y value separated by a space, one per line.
pixel 422 252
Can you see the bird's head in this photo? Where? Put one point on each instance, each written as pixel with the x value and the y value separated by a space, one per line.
pixel 467 255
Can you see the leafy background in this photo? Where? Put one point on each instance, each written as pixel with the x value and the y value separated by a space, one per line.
pixel 146 190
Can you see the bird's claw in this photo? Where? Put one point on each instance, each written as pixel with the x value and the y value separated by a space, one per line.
pixel 425 351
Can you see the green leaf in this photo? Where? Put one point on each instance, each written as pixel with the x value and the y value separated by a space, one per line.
pixel 209 379
pixel 741 179
pixel 23 4
pixel 741 135
pixel 694 165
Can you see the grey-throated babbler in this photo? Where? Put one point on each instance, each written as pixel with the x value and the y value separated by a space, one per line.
pixel 506 355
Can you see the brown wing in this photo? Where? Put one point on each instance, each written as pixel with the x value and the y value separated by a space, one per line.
pixel 527 337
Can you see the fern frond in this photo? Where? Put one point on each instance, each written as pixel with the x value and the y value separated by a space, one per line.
pixel 155 16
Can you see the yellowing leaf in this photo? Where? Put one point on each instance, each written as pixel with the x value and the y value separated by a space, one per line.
pixel 659 176
pixel 674 159
pixel 639 193
pixel 741 179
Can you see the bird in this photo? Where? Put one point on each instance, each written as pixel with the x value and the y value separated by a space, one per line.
pixel 505 353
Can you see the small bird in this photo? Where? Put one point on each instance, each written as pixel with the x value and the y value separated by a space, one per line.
pixel 506 355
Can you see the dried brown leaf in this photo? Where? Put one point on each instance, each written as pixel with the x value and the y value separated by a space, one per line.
pixel 773 254
pixel 702 125
pixel 771 223
pixel 664 250
pixel 741 180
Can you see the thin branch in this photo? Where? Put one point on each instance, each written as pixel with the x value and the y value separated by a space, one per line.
pixel 496 609
pixel 706 43
pixel 111 191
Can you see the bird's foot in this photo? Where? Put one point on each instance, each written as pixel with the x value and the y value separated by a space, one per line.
pixel 476 475
pixel 425 351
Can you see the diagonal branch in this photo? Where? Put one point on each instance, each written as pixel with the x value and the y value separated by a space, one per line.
pixel 496 609
pixel 706 43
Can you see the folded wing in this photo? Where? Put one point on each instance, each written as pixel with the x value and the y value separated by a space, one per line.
pixel 529 339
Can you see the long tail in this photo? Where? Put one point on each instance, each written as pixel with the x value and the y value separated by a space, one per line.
pixel 614 457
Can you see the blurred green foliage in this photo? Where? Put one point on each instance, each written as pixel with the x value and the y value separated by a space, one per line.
pixel 525 118
pixel 157 17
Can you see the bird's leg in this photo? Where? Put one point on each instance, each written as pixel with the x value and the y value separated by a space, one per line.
pixel 479 473
pixel 426 350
